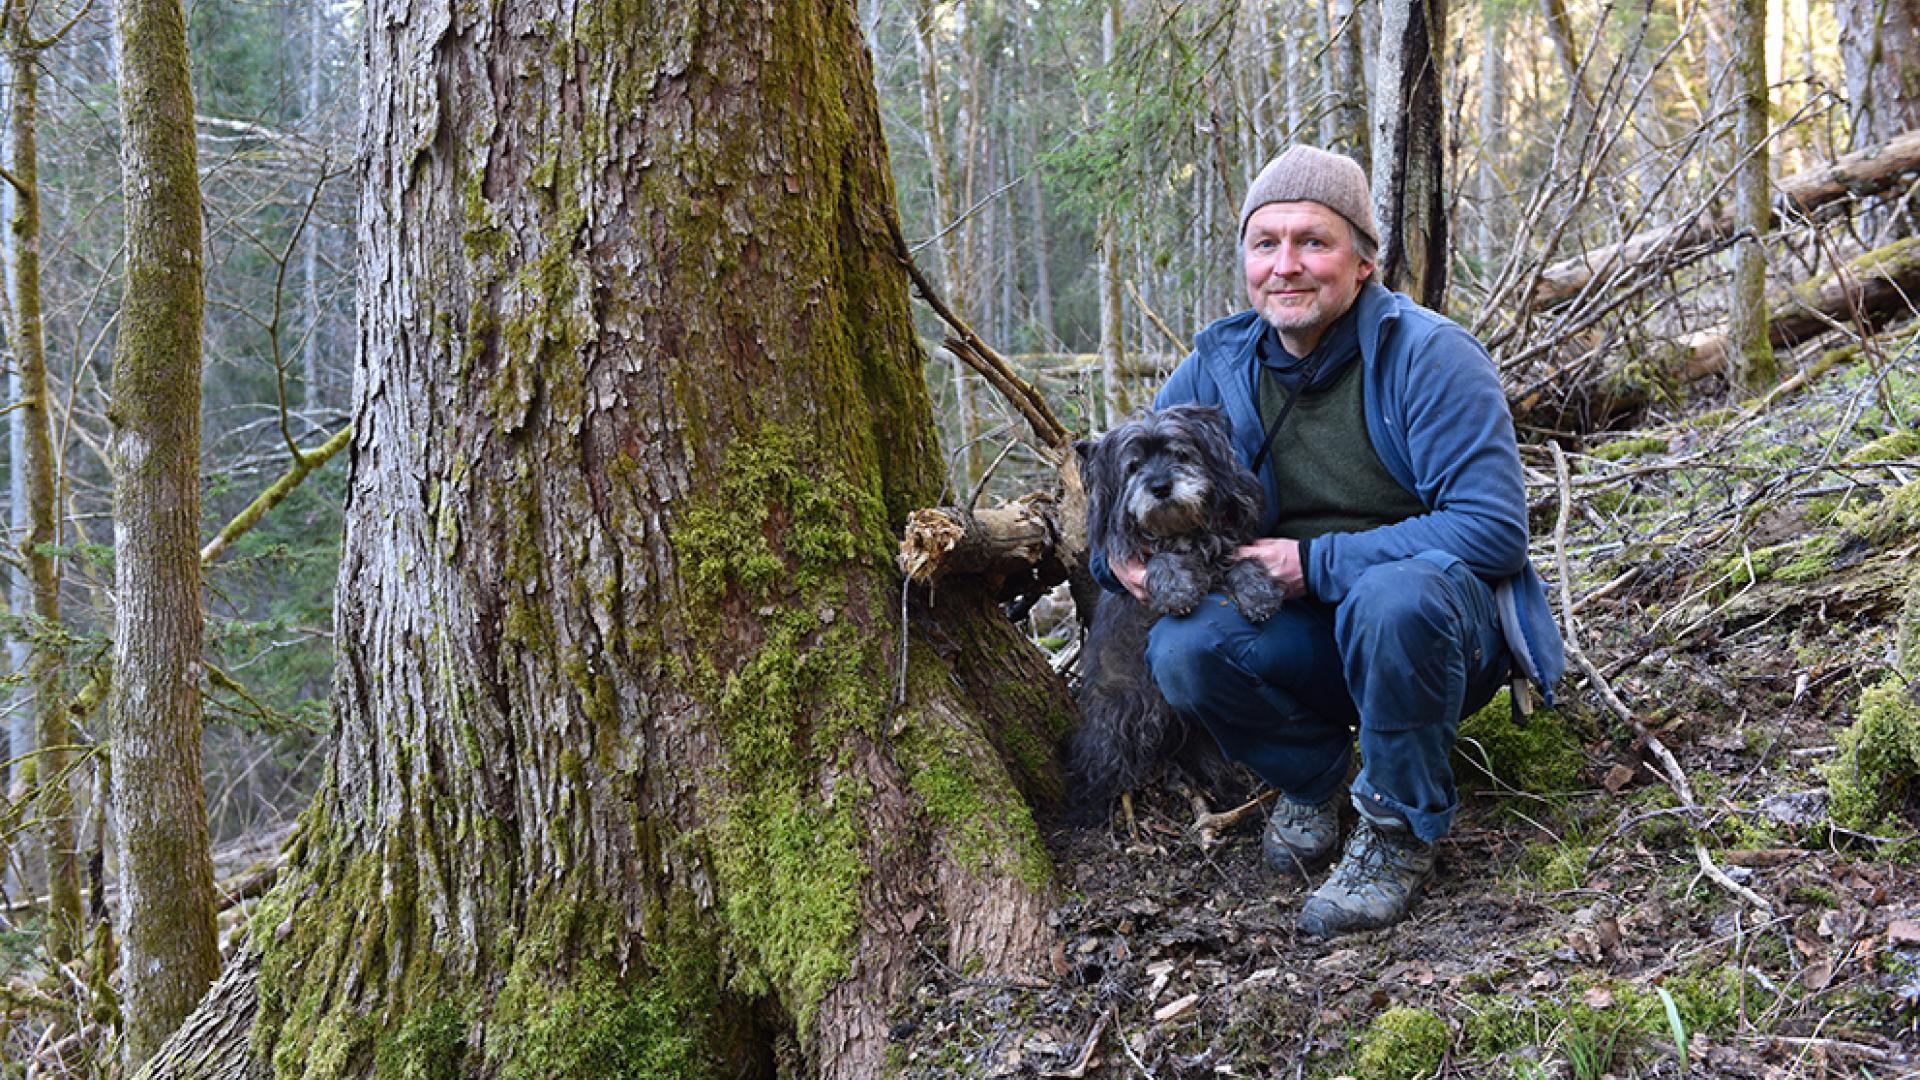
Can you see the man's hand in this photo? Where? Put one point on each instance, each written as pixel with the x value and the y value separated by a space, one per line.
pixel 1281 557
pixel 1131 573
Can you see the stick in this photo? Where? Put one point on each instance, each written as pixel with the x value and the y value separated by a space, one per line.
pixel 1153 317
pixel 1210 826
pixel 1675 777
pixel 981 357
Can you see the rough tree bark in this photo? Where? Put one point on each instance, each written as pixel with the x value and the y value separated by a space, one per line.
pixel 620 784
pixel 169 953
pixel 1409 173
pixel 53 738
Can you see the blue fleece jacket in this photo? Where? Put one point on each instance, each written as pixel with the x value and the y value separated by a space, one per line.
pixel 1439 421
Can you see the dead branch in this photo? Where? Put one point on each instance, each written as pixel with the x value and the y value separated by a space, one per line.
pixel 1053 436
pixel 1015 540
pixel 1864 172
pixel 1670 770
pixel 1210 826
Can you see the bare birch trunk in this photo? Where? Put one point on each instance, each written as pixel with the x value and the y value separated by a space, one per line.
pixel 621 784
pixel 53 738
pixel 1409 175
pixel 1752 353
pixel 169 954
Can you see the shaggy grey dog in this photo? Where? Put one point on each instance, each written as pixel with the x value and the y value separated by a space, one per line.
pixel 1167 488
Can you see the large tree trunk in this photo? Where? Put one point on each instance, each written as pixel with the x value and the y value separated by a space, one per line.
pixel 54 731
pixel 1409 174
pixel 169 951
pixel 621 785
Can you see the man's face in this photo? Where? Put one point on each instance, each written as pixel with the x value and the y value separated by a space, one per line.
pixel 1303 272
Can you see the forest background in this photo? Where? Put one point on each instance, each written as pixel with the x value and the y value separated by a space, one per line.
pixel 1068 178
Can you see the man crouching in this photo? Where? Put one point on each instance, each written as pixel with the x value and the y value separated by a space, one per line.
pixel 1396 524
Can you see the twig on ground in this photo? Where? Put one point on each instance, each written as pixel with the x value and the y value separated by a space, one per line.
pixel 1079 1067
pixel 1670 767
pixel 1210 826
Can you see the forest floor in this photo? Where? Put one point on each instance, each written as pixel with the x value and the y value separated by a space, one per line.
pixel 1739 575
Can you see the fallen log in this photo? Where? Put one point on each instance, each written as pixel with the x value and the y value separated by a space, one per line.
pixel 1873 289
pixel 1016 543
pixel 1863 172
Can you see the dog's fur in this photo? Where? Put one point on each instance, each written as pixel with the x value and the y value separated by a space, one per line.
pixel 1165 487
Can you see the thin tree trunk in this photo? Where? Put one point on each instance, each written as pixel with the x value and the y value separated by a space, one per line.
pixel 1113 349
pixel 53 804
pixel 637 771
pixel 1754 365
pixel 1567 50
pixel 1491 243
pixel 1409 174
pixel 1880 55
pixel 1039 243
pixel 946 244
pixel 169 954
pixel 313 373
pixel 1350 94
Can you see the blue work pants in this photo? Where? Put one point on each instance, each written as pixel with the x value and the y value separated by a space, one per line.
pixel 1414 647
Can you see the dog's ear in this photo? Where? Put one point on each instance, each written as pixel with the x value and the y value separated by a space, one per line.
pixel 1084 449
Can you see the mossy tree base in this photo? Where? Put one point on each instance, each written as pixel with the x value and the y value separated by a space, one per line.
pixel 637 770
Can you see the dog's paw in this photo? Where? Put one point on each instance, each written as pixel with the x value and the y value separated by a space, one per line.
pixel 1176 600
pixel 1174 585
pixel 1254 591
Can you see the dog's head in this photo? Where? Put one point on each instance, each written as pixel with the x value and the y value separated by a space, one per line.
pixel 1166 475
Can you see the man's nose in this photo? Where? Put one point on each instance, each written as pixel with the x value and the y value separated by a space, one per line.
pixel 1286 260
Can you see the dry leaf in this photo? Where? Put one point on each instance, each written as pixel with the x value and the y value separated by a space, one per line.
pixel 1618 778
pixel 1817 975
pixel 1598 997
pixel 1903 932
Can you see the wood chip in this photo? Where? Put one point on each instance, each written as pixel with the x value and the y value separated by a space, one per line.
pixel 1903 932
pixel 1174 1010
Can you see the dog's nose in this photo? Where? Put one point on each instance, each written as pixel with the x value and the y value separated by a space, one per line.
pixel 1162 489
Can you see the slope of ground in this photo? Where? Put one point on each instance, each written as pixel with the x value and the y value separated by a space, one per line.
pixel 1739 577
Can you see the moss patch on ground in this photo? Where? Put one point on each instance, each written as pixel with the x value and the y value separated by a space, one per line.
pixel 1401 1044
pixel 1497 752
pixel 1874 777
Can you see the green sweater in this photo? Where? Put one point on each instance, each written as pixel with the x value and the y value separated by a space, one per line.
pixel 1329 477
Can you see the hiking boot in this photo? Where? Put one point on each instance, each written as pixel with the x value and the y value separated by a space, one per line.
pixel 1374 884
pixel 1300 838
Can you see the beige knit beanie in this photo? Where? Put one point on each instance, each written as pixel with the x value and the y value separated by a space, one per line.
pixel 1306 174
